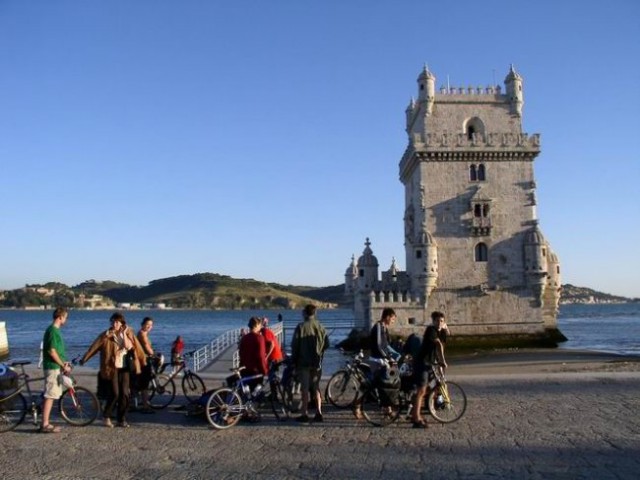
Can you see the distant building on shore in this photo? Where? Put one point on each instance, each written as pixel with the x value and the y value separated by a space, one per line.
pixel 473 246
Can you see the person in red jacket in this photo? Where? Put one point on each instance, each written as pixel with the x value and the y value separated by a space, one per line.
pixel 274 352
pixel 253 351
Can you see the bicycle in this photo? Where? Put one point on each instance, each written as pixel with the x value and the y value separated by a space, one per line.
pixel 78 406
pixel 445 400
pixel 162 388
pixel 290 387
pixel 379 400
pixel 345 385
pixel 242 397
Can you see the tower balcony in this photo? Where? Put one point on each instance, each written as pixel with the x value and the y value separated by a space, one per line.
pixel 480 226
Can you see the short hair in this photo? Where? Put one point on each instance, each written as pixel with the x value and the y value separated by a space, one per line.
pixel 118 317
pixel 145 320
pixel 59 312
pixel 387 312
pixel 436 316
pixel 309 310
pixel 254 322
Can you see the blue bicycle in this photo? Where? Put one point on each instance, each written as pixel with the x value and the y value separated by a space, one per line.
pixel 243 397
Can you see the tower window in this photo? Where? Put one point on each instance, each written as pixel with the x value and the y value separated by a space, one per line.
pixel 481 210
pixel 361 272
pixel 481 252
pixel 470 131
pixel 418 253
pixel 477 173
pixel 481 172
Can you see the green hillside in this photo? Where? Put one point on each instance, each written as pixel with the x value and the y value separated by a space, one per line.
pixel 207 290
pixel 213 291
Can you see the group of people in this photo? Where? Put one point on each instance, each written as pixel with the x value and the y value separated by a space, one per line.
pixel 425 354
pixel 126 363
pixel 127 359
pixel 259 347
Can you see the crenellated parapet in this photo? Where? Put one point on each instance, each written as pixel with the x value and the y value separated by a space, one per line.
pixel 495 140
pixel 470 90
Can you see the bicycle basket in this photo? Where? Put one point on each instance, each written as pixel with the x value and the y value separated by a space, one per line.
pixel 8 378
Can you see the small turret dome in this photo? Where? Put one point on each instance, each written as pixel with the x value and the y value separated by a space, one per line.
pixel 424 237
pixel 352 269
pixel 426 74
pixel 512 75
pixel 367 259
pixel 534 237
pixel 393 270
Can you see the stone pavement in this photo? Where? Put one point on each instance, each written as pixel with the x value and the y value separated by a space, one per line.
pixel 556 425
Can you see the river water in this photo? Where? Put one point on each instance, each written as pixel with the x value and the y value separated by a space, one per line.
pixel 604 328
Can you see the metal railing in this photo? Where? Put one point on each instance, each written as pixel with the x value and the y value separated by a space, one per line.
pixel 278 331
pixel 204 356
pixel 207 354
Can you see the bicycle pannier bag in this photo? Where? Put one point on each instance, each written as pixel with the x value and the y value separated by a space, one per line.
pixel 8 378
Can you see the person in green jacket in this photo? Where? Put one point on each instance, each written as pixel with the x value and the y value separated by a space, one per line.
pixel 54 361
pixel 309 342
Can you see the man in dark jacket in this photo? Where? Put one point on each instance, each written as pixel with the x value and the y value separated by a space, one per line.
pixel 309 342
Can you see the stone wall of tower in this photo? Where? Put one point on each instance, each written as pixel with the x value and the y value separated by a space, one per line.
pixel 489 312
pixel 449 196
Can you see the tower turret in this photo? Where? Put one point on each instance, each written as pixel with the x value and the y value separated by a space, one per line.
pixel 410 112
pixel 535 261
pixel 513 84
pixel 367 268
pixel 351 277
pixel 427 89
pixel 425 274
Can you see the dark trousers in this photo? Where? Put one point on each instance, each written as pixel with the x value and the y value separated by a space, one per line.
pixel 119 395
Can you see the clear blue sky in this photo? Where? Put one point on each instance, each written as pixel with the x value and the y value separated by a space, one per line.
pixel 145 139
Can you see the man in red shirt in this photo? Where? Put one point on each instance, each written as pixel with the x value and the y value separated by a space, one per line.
pixel 274 352
pixel 253 352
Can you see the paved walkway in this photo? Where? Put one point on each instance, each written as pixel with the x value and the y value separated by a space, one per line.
pixel 553 426
pixel 221 367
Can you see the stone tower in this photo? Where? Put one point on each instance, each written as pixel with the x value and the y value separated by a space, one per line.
pixel 473 246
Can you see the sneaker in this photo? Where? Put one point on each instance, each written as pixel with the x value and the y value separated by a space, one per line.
pixel 318 418
pixel 302 418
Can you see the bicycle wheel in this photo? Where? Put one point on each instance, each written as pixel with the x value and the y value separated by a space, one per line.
pixel 224 408
pixel 162 391
pixel 447 411
pixel 192 387
pixel 12 412
pixel 79 406
pixel 342 390
pixel 278 403
pixel 377 409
